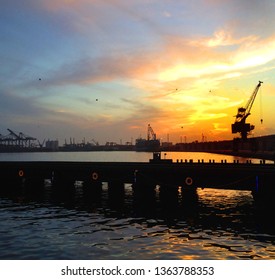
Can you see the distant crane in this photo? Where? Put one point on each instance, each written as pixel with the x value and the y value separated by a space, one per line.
pixel 240 126
pixel 150 144
pixel 41 144
pixel 151 135
pixel 95 142
pixel 18 139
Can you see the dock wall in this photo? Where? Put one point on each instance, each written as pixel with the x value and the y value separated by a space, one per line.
pixel 144 177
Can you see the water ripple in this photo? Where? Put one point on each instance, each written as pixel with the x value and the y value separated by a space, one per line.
pixel 222 227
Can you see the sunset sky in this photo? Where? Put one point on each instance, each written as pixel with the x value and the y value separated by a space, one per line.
pixel 105 69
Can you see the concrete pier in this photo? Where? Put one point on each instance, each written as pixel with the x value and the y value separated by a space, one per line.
pixel 144 177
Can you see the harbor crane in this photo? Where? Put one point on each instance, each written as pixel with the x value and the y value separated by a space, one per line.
pixel 14 139
pixel 240 125
pixel 151 135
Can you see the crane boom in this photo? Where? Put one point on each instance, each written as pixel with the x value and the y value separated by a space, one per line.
pixel 13 133
pixel 252 98
pixel 243 112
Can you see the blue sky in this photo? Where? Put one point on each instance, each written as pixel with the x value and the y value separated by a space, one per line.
pixel 103 70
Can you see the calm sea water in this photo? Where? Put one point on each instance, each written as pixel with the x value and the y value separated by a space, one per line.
pixel 217 224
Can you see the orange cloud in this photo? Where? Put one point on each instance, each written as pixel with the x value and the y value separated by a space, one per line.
pixel 207 60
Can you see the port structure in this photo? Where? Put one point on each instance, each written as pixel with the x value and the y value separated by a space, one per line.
pixel 151 135
pixel 144 176
pixel 150 144
pixel 17 140
pixel 240 125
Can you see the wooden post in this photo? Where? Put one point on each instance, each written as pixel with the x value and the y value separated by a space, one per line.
pixel 116 194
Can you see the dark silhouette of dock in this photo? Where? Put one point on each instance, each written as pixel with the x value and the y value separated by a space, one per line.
pixel 144 177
